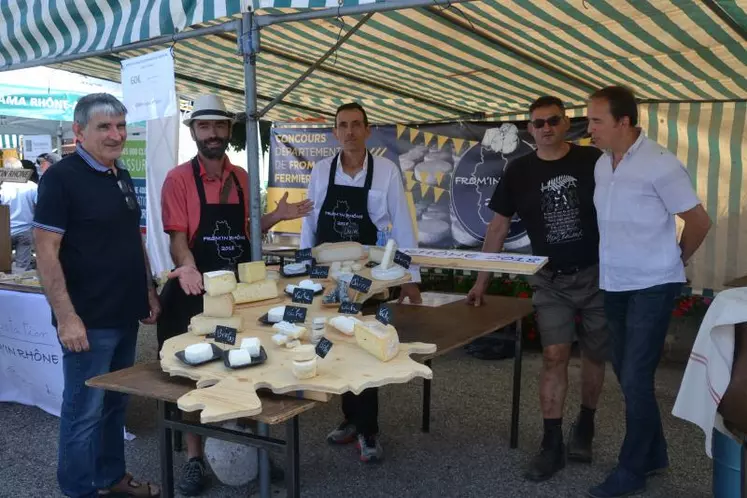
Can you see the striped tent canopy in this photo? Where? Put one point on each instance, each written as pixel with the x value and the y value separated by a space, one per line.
pixel 479 60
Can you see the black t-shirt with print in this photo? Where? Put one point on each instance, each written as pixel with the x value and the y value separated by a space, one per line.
pixel 555 200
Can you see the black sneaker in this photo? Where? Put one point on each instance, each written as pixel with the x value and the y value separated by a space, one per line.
pixel 194 477
pixel 579 443
pixel 546 463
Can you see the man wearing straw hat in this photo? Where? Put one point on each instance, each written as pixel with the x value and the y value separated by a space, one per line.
pixel 206 194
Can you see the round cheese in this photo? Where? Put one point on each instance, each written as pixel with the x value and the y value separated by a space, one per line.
pixel 461 236
pixel 393 273
pixel 305 352
pixel 197 353
pixel 304 369
pixel 319 322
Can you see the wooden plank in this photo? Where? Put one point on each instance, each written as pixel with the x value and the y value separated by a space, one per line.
pixel 517 264
pixel 453 325
pixel 737 282
pixel 149 381
pixel 31 289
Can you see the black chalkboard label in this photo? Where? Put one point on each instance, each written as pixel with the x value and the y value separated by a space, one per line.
pixel 384 314
pixel 402 259
pixel 226 335
pixel 303 254
pixel 361 284
pixel 294 314
pixel 323 347
pixel 349 308
pixel 303 296
pixel 319 272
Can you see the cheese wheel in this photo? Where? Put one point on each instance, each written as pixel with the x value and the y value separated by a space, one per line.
pixel 378 339
pixel 393 273
pixel 217 306
pixel 252 272
pixel 204 325
pixel 239 357
pixel 304 369
pixel 258 291
pixel 197 353
pixel 219 282
pixel 338 251
pixel 252 345
pixel 431 171
pixel 304 353
pixel 461 236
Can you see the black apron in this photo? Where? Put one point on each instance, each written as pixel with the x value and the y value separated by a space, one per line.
pixel 220 243
pixel 344 215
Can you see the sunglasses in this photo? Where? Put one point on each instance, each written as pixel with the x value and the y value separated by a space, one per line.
pixel 129 195
pixel 552 121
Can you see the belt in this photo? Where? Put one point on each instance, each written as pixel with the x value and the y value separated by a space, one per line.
pixel 568 270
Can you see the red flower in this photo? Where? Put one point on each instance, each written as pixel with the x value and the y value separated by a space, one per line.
pixel 678 312
pixel 523 294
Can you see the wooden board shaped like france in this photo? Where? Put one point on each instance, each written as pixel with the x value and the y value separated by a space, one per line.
pixel 364 353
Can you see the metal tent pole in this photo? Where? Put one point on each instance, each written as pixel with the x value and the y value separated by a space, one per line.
pixel 248 36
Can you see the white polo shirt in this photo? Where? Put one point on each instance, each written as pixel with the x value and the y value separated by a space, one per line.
pixel 21 199
pixel 387 202
pixel 636 204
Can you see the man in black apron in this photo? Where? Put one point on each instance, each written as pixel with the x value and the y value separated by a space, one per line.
pixel 212 190
pixel 345 215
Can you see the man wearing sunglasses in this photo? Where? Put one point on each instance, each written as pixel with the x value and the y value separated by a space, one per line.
pixel 95 273
pixel 552 190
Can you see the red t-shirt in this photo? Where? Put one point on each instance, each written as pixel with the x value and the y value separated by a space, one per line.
pixel 180 202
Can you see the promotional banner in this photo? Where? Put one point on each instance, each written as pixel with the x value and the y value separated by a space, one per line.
pixel 449 172
pixel 30 355
pixel 133 157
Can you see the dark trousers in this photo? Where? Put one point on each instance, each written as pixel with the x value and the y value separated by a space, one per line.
pixel 638 322
pixel 362 410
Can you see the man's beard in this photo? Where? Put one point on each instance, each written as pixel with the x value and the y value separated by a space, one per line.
pixel 214 151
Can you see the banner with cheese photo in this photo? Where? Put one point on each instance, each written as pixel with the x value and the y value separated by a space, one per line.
pixel 449 172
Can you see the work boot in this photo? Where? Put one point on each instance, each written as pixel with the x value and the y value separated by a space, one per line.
pixel 579 443
pixel 344 434
pixel 548 461
pixel 194 477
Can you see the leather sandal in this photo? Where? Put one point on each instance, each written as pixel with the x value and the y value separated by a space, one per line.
pixel 129 487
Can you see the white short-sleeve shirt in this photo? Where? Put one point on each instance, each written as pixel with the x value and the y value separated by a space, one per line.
pixel 387 202
pixel 636 204
pixel 21 199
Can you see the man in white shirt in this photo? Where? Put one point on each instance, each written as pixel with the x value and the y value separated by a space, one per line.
pixel 21 200
pixel 355 196
pixel 640 187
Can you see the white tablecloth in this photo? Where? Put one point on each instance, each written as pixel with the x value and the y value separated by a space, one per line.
pixel 30 356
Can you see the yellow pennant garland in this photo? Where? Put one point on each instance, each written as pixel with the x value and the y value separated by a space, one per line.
pixel 413 134
pixel 427 137
pixel 400 130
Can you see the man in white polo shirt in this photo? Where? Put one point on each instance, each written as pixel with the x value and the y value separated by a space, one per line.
pixel 640 187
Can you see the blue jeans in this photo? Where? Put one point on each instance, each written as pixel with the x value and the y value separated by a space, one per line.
pixel 91 451
pixel 638 322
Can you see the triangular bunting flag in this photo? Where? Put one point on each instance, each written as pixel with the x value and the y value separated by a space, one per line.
pixel 458 144
pixel 400 130
pixel 441 140
pixel 439 177
pixel 585 141
pixel 473 144
pixel 413 134
pixel 437 193
pixel 409 180
pixel 428 137
pixel 424 189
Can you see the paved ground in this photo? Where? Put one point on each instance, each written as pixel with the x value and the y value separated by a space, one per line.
pixel 465 455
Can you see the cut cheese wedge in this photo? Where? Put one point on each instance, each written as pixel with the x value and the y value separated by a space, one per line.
pixel 343 324
pixel 204 325
pixel 219 282
pixel 289 329
pixel 387 260
pixel 378 339
pixel 376 254
pixel 258 291
pixel 217 306
pixel 252 272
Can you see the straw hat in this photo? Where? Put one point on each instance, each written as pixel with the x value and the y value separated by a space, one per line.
pixel 208 107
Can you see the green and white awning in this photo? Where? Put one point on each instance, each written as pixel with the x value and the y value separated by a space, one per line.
pixel 9 141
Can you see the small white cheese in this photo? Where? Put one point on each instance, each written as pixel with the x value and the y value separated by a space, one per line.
pixel 197 353
pixel 388 259
pixel 239 357
pixel 252 345
pixel 344 324
pixel 289 329
pixel 279 339
pixel 294 268
pixel 276 314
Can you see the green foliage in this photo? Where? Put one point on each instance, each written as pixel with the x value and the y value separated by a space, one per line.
pixel 238 134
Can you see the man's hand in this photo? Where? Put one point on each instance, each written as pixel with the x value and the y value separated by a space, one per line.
pixel 477 292
pixel 189 278
pixel 292 210
pixel 411 292
pixel 155 307
pixel 73 334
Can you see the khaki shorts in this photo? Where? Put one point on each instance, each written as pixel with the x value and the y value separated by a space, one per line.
pixel 558 299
